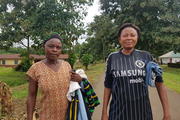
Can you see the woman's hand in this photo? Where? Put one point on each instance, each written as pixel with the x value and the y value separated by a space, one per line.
pixel 167 117
pixel 75 77
pixel 104 117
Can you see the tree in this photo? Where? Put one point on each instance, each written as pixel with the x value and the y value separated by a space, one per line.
pixel 102 35
pixel 35 19
pixel 86 60
pixel 159 21
pixel 25 64
pixel 72 59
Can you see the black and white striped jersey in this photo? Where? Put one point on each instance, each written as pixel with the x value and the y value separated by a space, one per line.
pixel 125 75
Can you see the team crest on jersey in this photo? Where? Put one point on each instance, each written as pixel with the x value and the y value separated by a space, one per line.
pixel 139 63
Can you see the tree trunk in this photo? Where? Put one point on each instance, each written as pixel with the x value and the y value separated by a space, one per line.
pixel 28 46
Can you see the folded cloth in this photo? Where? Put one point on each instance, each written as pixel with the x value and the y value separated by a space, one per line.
pixel 75 85
pixel 153 74
pixel 82 114
pixel 81 73
pixel 72 88
pixel 89 96
pixel 73 108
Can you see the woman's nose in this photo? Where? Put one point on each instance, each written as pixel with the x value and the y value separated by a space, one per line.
pixel 54 49
pixel 129 37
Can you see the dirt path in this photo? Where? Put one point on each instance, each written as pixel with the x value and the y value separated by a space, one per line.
pixel 174 101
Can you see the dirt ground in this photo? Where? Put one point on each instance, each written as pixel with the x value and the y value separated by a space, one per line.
pixel 174 101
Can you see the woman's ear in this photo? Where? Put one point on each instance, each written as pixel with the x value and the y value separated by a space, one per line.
pixel 43 45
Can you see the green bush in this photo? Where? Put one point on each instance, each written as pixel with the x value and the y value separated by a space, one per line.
pixel 24 65
pixel 174 65
pixel 72 59
pixel 86 60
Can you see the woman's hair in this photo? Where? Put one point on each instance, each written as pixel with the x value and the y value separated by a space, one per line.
pixel 51 37
pixel 125 25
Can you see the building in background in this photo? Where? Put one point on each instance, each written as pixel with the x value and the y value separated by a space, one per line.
pixel 170 57
pixel 12 60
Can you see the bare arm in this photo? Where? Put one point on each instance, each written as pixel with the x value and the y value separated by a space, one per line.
pixel 107 95
pixel 31 100
pixel 164 100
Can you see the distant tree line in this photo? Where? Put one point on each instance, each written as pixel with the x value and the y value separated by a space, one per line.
pixel 35 20
pixel 159 21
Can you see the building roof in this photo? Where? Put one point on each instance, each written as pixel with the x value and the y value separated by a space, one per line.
pixel 170 54
pixel 10 56
pixel 34 56
pixel 62 56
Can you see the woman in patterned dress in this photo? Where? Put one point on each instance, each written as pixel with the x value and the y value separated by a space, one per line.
pixel 52 77
pixel 125 81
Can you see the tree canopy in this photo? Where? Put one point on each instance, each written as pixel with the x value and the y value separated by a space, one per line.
pixel 35 20
pixel 159 21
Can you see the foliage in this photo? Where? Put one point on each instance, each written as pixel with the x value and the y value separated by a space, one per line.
pixel 24 65
pixel 102 37
pixel 72 59
pixel 12 51
pixel 86 60
pixel 35 19
pixel 174 65
pixel 159 21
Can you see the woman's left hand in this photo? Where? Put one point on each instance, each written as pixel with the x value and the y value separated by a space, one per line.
pixel 167 117
pixel 75 77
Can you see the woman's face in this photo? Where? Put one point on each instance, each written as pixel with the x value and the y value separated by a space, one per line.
pixel 53 48
pixel 128 38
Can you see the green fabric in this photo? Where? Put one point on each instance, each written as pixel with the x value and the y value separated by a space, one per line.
pixel 89 96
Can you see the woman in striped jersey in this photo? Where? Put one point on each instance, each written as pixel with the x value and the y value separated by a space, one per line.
pixel 125 81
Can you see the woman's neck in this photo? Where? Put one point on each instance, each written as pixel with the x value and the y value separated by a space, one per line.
pixel 127 51
pixel 48 61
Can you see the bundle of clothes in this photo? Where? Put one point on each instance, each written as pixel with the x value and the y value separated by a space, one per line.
pixel 82 99
pixel 153 73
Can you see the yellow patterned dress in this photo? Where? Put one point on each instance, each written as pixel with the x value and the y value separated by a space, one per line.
pixel 53 86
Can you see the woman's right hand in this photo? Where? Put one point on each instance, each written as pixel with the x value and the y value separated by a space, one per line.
pixel 104 117
pixel 31 99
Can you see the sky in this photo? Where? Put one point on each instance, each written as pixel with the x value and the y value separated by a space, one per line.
pixel 92 11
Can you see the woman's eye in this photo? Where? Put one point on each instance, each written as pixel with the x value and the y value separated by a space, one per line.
pixel 50 46
pixel 125 35
pixel 133 35
pixel 58 47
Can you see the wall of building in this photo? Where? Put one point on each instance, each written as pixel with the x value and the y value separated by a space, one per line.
pixel 9 63
pixel 169 60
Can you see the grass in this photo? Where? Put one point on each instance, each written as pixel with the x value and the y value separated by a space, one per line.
pixel 172 78
pixel 94 70
pixel 20 91
pixel 19 85
pixel 12 77
pixel 93 73
pixel 16 80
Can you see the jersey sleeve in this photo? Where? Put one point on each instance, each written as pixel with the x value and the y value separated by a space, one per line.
pixel 108 76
